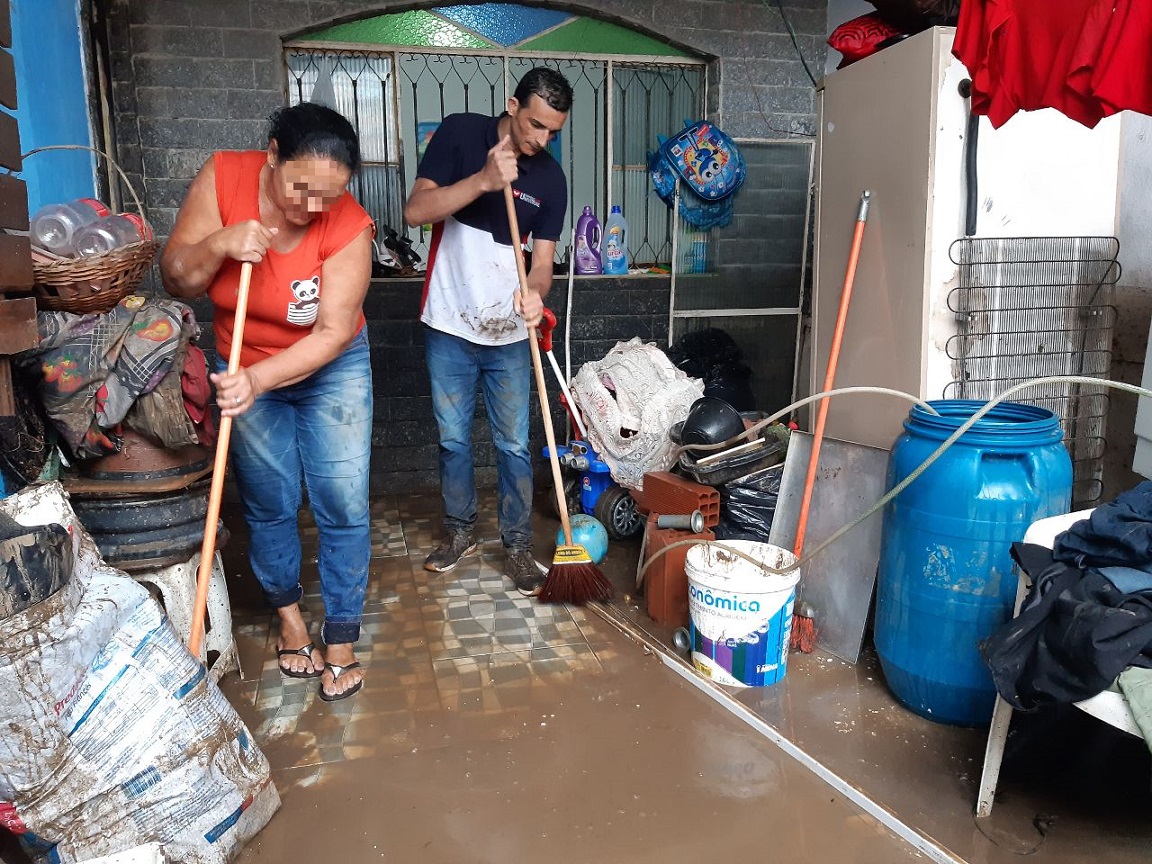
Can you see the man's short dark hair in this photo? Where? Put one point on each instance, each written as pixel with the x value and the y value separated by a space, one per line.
pixel 549 85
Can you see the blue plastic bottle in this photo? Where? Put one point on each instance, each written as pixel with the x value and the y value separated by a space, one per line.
pixel 588 245
pixel 616 243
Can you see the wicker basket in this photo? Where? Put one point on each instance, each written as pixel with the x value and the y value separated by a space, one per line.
pixel 98 283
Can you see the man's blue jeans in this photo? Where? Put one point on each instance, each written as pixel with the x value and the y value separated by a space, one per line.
pixel 505 378
pixel 319 429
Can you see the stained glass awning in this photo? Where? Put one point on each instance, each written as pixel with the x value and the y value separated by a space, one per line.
pixel 497 26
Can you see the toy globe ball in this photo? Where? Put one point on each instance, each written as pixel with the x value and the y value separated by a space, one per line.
pixel 589 533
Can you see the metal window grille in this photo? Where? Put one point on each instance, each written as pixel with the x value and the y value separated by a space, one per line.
pixel 1031 307
pixel 394 98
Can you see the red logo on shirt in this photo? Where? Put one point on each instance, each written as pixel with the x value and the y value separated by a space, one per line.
pixel 526 198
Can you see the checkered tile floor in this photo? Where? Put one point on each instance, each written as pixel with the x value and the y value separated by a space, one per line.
pixel 462 642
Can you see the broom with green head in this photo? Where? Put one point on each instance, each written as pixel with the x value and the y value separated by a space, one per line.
pixel 573 577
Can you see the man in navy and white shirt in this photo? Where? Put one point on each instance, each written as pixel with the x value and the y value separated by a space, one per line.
pixel 475 318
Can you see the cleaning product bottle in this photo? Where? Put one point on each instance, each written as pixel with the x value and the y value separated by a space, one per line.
pixel 616 243
pixel 588 244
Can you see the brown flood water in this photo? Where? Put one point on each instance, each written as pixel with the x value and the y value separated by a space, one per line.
pixel 492 728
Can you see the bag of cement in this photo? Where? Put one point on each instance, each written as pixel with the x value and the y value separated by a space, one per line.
pixel 629 401
pixel 34 563
pixel 115 736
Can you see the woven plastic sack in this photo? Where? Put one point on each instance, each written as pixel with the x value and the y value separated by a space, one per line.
pixel 114 736
pixel 629 400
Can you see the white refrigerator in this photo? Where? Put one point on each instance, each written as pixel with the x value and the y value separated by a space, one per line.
pixel 895 124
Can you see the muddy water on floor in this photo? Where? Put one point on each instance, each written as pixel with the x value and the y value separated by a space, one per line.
pixel 622 764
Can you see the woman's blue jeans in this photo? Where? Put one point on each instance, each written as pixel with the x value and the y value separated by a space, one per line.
pixel 504 374
pixel 318 429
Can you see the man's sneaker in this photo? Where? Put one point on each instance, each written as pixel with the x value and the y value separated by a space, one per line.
pixel 452 548
pixel 521 568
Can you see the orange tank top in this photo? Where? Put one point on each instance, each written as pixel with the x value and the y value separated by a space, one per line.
pixel 285 293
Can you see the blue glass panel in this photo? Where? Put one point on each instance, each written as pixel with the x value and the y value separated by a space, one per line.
pixel 504 23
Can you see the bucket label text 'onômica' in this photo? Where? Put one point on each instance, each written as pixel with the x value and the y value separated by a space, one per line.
pixel 729 604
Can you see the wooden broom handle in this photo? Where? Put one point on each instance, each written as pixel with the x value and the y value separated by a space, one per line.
pixel 208 547
pixel 538 368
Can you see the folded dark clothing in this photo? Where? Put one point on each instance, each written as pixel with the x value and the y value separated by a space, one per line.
pixel 1118 533
pixel 1076 632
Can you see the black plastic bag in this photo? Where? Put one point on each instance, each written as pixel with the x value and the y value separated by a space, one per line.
pixel 748 504
pixel 912 16
pixel 713 356
pixel 697 351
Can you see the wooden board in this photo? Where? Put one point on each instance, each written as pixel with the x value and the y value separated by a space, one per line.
pixel 9 143
pixel 18 329
pixel 7 80
pixel 15 262
pixel 13 203
pixel 5 25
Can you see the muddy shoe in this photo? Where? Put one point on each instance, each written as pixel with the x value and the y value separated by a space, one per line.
pixel 456 545
pixel 521 568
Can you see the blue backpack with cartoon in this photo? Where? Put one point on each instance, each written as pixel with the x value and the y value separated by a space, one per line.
pixel 710 168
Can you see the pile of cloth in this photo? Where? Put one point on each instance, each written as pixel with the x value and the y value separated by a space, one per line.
pixel 136 364
pixel 1086 622
pixel 1088 59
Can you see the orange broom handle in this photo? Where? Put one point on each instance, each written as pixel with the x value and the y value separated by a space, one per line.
pixel 830 373
pixel 538 368
pixel 208 547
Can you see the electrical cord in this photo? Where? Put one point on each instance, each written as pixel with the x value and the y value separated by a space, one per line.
pixel 907 481
pixel 795 43
pixel 756 93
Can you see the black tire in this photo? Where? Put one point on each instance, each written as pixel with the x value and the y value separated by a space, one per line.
pixel 142 513
pixel 571 496
pixel 616 511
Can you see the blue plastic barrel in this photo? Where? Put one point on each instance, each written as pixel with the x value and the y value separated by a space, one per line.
pixel 946 578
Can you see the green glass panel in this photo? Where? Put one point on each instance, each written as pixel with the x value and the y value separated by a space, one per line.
pixel 403 28
pixel 587 36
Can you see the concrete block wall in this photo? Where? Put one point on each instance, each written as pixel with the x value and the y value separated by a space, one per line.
pixel 189 78
pixel 605 310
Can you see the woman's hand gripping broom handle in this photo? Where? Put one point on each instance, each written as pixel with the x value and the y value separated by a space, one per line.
pixel 208 547
pixel 538 368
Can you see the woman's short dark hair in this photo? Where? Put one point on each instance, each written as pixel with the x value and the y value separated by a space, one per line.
pixel 549 85
pixel 309 129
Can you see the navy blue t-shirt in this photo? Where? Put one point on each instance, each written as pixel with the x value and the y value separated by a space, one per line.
pixel 471 267
pixel 459 149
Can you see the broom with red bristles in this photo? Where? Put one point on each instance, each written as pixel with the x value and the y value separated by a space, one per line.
pixel 572 578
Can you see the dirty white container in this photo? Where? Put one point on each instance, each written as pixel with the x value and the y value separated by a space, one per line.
pixel 740 614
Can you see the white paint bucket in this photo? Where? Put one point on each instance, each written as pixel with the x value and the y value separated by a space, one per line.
pixel 741 614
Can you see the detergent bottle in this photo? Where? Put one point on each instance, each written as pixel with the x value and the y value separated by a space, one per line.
pixel 616 243
pixel 588 245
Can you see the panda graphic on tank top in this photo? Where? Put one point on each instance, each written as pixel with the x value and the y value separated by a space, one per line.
pixel 303 309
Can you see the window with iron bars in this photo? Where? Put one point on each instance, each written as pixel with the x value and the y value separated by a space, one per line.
pixel 395 99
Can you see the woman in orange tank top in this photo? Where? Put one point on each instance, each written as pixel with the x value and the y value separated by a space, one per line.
pixel 301 402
